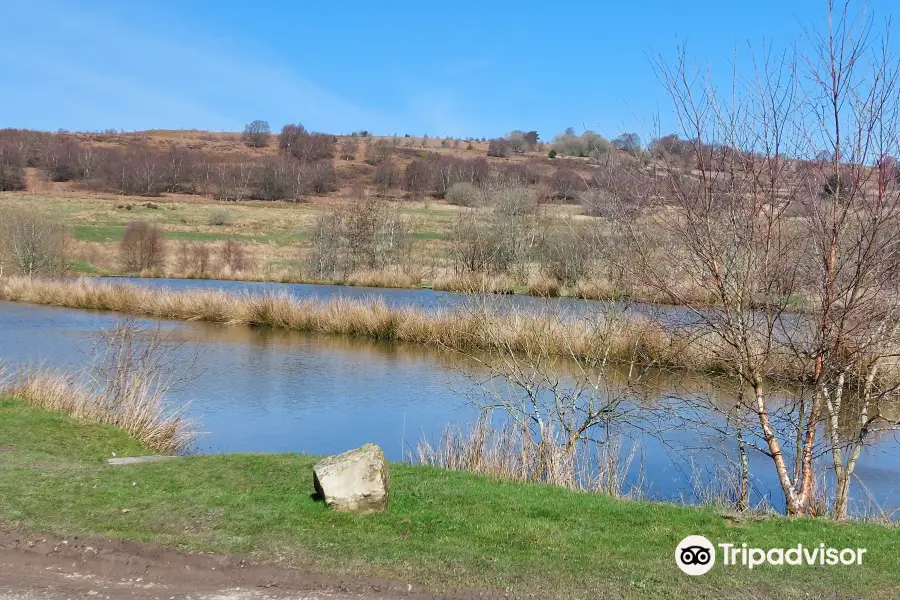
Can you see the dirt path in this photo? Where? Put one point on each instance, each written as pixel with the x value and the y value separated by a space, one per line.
pixel 40 566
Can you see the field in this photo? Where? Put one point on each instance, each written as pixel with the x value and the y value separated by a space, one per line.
pixel 445 530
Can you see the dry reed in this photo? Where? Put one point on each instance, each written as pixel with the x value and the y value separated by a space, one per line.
pixel 139 409
pixel 473 329
pixel 508 451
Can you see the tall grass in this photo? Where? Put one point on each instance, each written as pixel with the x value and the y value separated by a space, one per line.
pixel 473 328
pixel 509 451
pixel 124 387
pixel 137 409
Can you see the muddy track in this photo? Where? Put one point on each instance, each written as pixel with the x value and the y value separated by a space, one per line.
pixel 46 566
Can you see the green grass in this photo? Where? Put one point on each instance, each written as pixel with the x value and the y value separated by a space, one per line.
pixel 114 233
pixel 443 529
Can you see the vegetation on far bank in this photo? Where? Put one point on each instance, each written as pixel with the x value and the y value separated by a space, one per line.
pixel 446 530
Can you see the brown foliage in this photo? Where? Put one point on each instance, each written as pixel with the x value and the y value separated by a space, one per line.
pixel 143 247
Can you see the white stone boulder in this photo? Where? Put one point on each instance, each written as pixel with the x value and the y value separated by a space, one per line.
pixel 355 481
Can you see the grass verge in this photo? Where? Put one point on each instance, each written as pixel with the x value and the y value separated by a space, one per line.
pixel 444 529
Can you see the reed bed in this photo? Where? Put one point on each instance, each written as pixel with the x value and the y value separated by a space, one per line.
pixel 607 336
pixel 466 329
pixel 138 409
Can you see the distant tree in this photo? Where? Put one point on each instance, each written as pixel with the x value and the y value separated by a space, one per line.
pixel 516 141
pixel 143 247
pixel 628 142
pixel 256 134
pixel 348 149
pixel 838 188
pixel 531 139
pixel 289 136
pixel 12 175
pixel 378 152
pixel 500 148
pixel 319 177
pixel 569 131
pixel 385 175
pixel 417 178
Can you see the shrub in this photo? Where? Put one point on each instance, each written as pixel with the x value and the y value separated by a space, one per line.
pixel 256 134
pixel 143 247
pixel 566 253
pixel 565 184
pixel 233 255
pixel 194 259
pixel 463 194
pixel 552 153
pixel 219 218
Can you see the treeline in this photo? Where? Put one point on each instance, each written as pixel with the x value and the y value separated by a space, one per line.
pixel 303 167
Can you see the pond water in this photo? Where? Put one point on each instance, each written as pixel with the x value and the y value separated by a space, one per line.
pixel 259 390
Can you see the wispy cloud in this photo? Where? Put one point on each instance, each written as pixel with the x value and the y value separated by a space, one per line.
pixel 98 69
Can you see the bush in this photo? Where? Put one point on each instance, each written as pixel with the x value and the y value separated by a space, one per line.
pixel 233 255
pixel 565 185
pixel 552 153
pixel 219 218
pixel 143 247
pixel 463 194
pixel 312 147
pixel 567 254
pixel 194 259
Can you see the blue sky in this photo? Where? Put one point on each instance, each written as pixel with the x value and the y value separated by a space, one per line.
pixel 460 68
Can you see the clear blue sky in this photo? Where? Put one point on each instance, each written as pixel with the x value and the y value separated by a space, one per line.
pixel 479 68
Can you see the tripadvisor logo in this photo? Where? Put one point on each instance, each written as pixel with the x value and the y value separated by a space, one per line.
pixel 696 555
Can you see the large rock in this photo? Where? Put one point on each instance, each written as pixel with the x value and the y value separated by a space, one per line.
pixel 355 481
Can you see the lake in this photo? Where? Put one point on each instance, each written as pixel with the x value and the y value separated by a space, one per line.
pixel 259 390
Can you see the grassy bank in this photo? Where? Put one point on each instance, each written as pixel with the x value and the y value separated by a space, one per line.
pixel 444 529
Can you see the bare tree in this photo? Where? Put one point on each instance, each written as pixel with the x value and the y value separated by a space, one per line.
pixel 31 244
pixel 143 247
pixel 256 134
pixel 749 233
